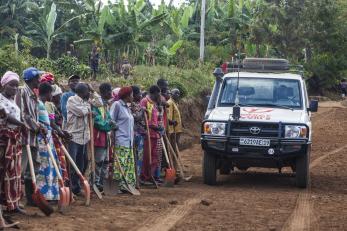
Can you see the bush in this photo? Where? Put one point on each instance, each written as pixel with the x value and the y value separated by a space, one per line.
pixel 9 61
pixel 190 82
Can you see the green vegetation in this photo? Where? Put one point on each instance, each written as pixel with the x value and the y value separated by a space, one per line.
pixel 57 36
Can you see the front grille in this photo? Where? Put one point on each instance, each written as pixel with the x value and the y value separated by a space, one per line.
pixel 243 129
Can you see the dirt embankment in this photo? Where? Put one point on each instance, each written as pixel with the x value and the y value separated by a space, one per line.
pixel 192 112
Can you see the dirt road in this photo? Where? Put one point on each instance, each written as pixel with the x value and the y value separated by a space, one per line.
pixel 254 200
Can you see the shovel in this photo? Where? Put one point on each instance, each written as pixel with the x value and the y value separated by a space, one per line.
pixel 38 198
pixel 63 191
pixel 91 129
pixel 110 186
pixel 170 172
pixel 85 183
pixel 177 159
pixel 150 152
pixel 128 187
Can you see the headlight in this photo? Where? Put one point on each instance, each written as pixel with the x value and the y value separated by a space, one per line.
pixel 214 128
pixel 294 131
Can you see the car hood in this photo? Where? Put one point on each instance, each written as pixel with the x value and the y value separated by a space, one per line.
pixel 260 114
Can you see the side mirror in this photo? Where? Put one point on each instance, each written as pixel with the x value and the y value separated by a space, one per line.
pixel 313 106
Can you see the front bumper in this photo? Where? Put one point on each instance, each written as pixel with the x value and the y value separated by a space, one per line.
pixel 230 147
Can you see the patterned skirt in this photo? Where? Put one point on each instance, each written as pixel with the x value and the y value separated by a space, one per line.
pixel 126 159
pixel 10 168
pixel 46 178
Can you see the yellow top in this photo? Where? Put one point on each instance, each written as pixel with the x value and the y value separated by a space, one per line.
pixel 173 113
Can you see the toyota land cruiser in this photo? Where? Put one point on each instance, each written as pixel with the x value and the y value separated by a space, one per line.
pixel 258 115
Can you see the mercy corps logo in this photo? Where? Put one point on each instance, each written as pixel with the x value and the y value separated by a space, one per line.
pixel 256 113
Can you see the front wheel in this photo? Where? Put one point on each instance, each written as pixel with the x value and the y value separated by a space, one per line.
pixel 302 170
pixel 210 169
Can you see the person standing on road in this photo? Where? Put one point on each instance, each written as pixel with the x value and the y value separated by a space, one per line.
pixel 139 128
pixel 78 111
pixel 56 124
pixel 150 106
pixel 124 139
pixel 10 147
pixel 174 118
pixel 163 84
pixel 102 126
pixel 47 179
pixel 28 104
pixel 73 81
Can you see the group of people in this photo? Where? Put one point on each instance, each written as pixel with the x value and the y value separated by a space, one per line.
pixel 124 126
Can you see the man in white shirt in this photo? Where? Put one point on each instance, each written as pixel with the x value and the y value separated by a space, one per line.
pixel 78 110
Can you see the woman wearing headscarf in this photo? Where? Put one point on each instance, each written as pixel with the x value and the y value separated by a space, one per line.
pixel 124 138
pixel 10 147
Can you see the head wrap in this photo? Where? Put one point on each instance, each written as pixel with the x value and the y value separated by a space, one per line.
pixel 115 92
pixel 124 92
pixel 56 90
pixel 47 77
pixel 31 73
pixel 8 77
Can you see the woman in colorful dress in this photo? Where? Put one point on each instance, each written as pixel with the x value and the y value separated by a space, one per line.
pixel 150 106
pixel 47 180
pixel 10 148
pixel 124 139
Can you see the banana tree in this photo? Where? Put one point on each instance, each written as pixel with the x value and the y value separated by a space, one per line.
pixel 45 30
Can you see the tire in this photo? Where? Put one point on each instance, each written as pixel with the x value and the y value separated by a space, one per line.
pixel 302 170
pixel 210 169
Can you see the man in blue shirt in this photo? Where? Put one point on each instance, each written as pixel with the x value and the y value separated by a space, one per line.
pixel 73 81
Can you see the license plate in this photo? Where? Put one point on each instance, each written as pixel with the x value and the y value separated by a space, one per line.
pixel 255 142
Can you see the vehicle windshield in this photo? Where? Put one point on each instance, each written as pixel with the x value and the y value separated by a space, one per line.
pixel 262 92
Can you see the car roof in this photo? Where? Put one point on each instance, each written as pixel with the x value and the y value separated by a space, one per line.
pixel 272 75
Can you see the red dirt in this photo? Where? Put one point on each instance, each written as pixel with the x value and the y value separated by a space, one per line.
pixel 254 200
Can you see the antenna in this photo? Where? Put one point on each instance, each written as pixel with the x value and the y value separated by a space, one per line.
pixel 237 109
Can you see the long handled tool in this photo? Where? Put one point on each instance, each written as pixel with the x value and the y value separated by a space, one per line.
pixel 91 129
pixel 38 198
pixel 170 172
pixel 64 192
pixel 127 186
pixel 110 186
pixel 85 183
pixel 179 163
pixel 150 151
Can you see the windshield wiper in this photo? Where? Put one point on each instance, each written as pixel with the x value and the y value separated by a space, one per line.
pixel 276 105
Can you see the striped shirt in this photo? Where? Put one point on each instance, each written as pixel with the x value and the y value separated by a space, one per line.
pixel 28 104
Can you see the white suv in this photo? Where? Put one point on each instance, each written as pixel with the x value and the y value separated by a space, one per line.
pixel 259 115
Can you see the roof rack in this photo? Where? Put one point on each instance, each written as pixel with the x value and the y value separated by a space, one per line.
pixel 265 65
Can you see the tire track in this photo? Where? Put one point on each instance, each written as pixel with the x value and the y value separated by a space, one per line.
pixel 302 216
pixel 167 220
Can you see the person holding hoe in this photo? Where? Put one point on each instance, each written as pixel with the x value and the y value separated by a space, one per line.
pixel 28 104
pixel 47 179
pixel 10 148
pixel 124 171
pixel 139 128
pixel 78 111
pixel 102 125
pixel 150 160
pixel 174 118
